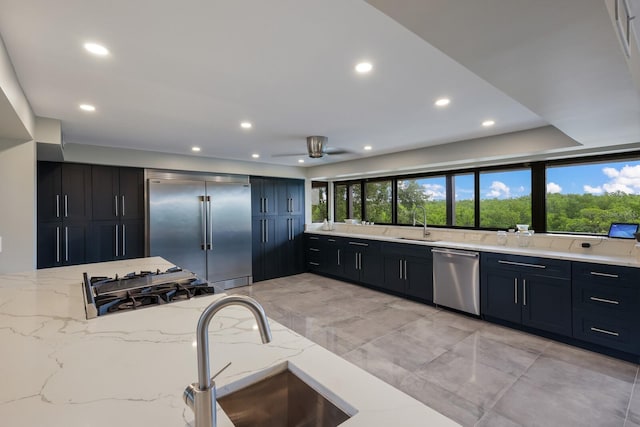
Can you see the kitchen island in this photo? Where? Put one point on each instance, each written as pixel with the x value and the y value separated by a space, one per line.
pixel 131 368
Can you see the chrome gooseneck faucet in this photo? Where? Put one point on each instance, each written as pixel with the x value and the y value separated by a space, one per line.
pixel 425 233
pixel 201 396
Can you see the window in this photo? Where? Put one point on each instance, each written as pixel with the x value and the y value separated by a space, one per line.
pixel 319 197
pixel 378 204
pixel 587 198
pixel 348 201
pixel 464 209
pixel 505 198
pixel 427 192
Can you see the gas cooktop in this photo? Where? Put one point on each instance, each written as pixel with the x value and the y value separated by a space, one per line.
pixel 104 295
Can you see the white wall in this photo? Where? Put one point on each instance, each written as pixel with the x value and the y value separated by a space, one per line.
pixel 16 117
pixel 18 212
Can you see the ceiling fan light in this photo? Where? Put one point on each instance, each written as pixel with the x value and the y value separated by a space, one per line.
pixel 315 146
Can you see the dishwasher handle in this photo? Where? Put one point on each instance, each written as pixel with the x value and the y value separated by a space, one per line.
pixel 450 252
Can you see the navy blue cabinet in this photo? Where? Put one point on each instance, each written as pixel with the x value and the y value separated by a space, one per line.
pixel 324 254
pixel 408 270
pixel 534 292
pixel 606 305
pixel 277 207
pixel 363 262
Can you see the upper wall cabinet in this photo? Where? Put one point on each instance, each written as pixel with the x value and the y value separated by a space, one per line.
pixel 264 196
pixel 117 193
pixel 64 192
pixel 291 197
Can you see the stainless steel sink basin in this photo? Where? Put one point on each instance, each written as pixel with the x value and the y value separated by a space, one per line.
pixel 419 239
pixel 281 400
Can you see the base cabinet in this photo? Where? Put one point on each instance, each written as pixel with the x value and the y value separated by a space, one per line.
pixel 363 262
pixel 531 291
pixel 408 270
pixel 606 305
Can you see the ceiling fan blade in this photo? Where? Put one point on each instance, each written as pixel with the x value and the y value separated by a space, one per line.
pixel 336 151
pixel 290 155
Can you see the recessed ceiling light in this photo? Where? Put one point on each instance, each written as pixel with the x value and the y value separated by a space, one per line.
pixel 195 149
pixel 488 123
pixel 96 49
pixel 368 147
pixel 255 155
pixel 442 102
pixel 87 107
pixel 364 67
pixel 246 125
pixel 300 160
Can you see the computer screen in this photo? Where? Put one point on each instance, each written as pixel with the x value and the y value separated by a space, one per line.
pixel 623 231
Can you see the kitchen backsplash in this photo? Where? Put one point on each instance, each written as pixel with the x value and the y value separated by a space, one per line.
pixel 553 242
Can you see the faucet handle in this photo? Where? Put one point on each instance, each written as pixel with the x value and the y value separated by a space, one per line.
pixel 220 371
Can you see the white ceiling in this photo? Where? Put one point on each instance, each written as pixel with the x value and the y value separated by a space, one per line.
pixel 187 73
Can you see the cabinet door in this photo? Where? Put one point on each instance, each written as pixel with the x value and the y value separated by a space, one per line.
pixel 288 241
pixel 271 255
pixel 75 237
pixel 132 239
pixel 264 196
pixel 371 267
pixel 257 248
pixel 49 192
pixel 394 274
pixel 335 257
pixel 49 244
pixel 104 185
pixel 546 303
pixel 351 270
pixel 501 295
pixel 257 202
pixel 76 192
pixel 104 236
pixel 131 194
pixel 419 277
pixel 265 253
pixel 291 197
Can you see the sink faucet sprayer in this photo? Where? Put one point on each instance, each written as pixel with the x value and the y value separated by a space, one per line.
pixel 425 233
pixel 201 396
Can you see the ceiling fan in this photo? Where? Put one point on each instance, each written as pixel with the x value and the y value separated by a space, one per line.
pixel 316 148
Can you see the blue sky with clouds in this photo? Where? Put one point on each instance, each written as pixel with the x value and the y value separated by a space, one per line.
pixel 595 178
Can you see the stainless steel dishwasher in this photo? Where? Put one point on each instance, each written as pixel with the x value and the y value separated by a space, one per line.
pixel 456 279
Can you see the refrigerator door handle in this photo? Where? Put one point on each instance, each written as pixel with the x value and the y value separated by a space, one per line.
pixel 203 246
pixel 210 215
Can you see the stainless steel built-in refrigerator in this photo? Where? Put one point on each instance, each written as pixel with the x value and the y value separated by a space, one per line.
pixel 203 226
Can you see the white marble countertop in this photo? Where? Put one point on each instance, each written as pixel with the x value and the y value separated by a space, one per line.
pixel 485 245
pixel 130 368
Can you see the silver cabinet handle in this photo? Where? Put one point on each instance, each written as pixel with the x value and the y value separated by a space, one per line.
pixel 400 261
pixel 57 206
pixel 356 260
pixel 123 205
pixel 115 202
pixel 330 240
pixel 117 242
pixel 66 243
pixel 604 331
pixel 266 231
pixel 359 260
pixel 313 238
pixel 608 301
pixel 266 204
pixel 338 256
pixel 450 252
pixel 124 240
pixel 66 206
pixel 521 264
pixel 203 246
pixel 515 290
pixel 314 249
pixel 313 263
pixel 57 244
pixel 405 269
pixel 210 216
pixel 524 291
pixel 595 273
pixel 290 228
pixel 358 244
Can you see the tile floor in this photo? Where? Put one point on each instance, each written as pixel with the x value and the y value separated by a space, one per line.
pixel 476 373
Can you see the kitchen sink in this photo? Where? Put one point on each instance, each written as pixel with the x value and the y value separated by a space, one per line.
pixel 419 239
pixel 281 400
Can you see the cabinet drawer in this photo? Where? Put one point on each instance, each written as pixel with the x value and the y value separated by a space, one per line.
pixel 606 299
pixel 529 265
pixel 362 245
pixel 610 275
pixel 406 249
pixel 607 331
pixel 313 254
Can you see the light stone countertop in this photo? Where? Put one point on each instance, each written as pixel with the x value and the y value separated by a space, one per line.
pixel 130 368
pixel 602 250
